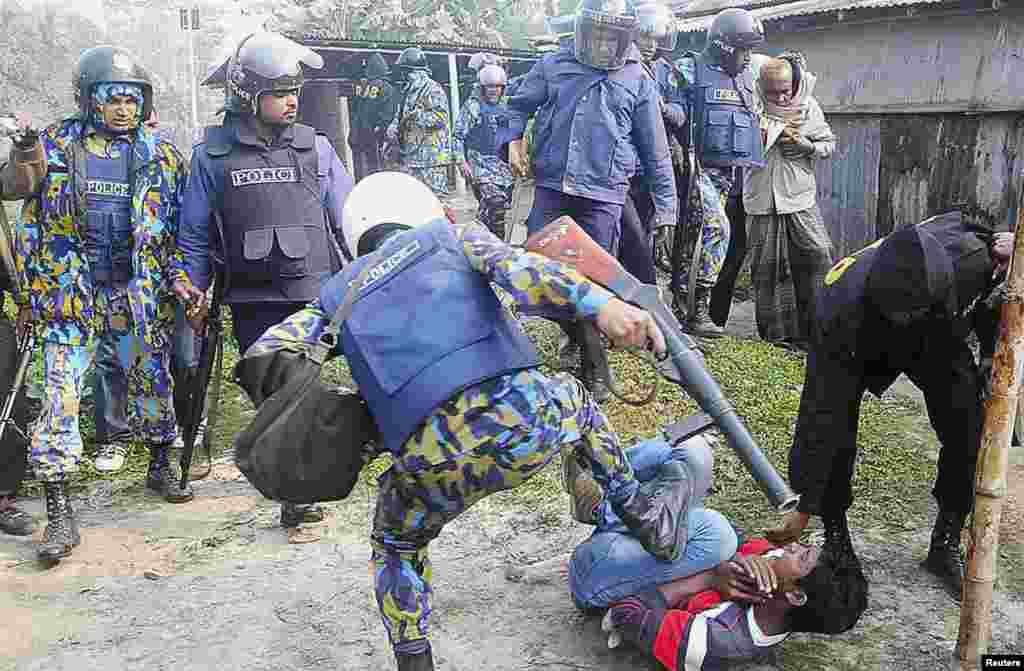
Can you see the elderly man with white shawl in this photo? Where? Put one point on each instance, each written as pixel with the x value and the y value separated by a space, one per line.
pixel 791 249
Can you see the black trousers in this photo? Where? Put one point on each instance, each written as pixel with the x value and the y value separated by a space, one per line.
pixel 13 448
pixel 367 161
pixel 821 461
pixel 251 320
pixel 721 293
pixel 635 252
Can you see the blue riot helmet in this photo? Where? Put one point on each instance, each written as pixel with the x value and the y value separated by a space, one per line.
pixel 413 60
pixel 732 35
pixel 655 30
pixel 265 62
pixel 113 65
pixel 605 30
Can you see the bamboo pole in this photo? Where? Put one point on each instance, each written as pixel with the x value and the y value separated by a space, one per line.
pixel 993 460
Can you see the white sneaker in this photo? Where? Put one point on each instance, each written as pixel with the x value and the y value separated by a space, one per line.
pixel 110 457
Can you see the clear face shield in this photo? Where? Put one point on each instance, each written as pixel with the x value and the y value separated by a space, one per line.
pixel 603 40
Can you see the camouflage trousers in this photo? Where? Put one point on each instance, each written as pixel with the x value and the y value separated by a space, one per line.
pixel 436 177
pixel 494 203
pixel 706 214
pixel 55 449
pixel 509 441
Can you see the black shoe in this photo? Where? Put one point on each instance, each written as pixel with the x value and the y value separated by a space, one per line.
pixel 13 520
pixel 164 477
pixel 944 559
pixel 594 371
pixel 656 513
pixel 61 534
pixel 699 323
pixel 294 514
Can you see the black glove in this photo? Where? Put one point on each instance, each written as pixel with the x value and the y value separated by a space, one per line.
pixel 675 115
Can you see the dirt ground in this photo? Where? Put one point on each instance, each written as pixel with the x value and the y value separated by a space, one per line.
pixel 213 584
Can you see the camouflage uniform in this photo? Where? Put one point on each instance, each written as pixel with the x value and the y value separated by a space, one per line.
pixel 420 128
pixel 492 436
pixel 492 175
pixel 72 312
pixel 706 209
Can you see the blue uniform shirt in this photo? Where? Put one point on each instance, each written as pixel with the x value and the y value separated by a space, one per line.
pixel 592 126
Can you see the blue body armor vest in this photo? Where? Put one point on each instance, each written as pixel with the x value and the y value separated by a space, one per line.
pixel 424 326
pixel 492 131
pixel 108 231
pixel 728 133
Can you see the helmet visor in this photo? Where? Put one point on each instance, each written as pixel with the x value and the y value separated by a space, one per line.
pixel 603 40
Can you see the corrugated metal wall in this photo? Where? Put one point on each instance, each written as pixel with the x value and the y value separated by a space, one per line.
pixel 893 170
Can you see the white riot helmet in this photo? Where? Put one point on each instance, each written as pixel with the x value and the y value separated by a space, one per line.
pixel 492 80
pixel 392 200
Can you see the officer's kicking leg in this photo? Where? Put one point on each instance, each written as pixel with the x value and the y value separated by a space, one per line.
pixel 516 430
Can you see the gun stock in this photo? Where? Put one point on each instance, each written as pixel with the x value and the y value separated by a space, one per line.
pixel 563 240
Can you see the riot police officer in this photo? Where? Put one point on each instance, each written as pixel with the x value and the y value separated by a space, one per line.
pixel 656 35
pixel 95 248
pixel 480 134
pixel 265 195
pixel 372 108
pixel 601 118
pixel 724 129
pixel 421 124
pixel 460 403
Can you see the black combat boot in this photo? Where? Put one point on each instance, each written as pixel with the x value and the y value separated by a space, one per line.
pixel 699 323
pixel 164 476
pixel 594 372
pixel 656 513
pixel 14 520
pixel 61 534
pixel 944 558
pixel 414 656
pixel 837 537
pixel 294 514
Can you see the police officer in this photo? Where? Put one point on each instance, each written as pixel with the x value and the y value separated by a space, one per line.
pixel 95 247
pixel 421 125
pixel 480 135
pixel 462 407
pixel 265 193
pixel 656 36
pixel 372 109
pixel 905 304
pixel 599 116
pixel 722 110
pixel 22 167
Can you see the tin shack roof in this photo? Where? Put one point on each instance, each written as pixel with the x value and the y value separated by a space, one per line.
pixel 696 15
pixel 344 58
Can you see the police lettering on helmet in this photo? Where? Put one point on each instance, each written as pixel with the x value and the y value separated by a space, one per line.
pixel 266 62
pixel 731 37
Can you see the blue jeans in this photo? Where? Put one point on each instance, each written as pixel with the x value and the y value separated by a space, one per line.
pixel 110 387
pixel 611 564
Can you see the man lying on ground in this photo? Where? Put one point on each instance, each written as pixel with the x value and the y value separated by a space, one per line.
pixel 712 605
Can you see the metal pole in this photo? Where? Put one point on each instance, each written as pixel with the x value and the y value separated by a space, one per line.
pixel 993 457
pixel 453 83
pixel 192 78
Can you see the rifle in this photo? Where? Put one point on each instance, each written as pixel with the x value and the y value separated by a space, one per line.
pixel 25 347
pixel 563 240
pixel 212 343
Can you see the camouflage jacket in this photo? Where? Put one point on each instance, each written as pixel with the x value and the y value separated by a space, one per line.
pixel 50 252
pixel 422 125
